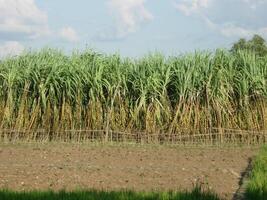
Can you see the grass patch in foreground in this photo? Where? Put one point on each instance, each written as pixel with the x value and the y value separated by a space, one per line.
pixel 196 194
pixel 257 186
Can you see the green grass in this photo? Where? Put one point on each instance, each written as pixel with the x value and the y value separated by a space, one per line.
pixel 196 194
pixel 257 186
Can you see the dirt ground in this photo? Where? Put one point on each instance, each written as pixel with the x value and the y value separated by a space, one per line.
pixel 70 167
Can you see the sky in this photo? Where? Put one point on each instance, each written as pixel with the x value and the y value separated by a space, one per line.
pixel 129 27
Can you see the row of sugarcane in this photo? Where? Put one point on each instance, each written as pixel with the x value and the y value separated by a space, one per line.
pixel 53 91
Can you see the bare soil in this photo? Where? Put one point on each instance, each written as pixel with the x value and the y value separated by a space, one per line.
pixel 70 167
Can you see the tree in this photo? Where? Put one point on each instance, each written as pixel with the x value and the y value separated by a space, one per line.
pixel 257 44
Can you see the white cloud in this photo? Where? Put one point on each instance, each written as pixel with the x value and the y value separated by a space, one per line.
pixel 69 34
pixel 230 18
pixel 11 48
pixel 129 15
pixel 254 4
pixel 189 7
pixel 232 30
pixel 22 18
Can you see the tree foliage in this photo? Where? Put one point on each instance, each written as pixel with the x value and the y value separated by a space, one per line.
pixel 257 44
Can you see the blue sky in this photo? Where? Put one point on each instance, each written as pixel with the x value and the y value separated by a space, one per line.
pixel 128 27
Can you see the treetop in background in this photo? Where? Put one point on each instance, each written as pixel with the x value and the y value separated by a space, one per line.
pixel 257 44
